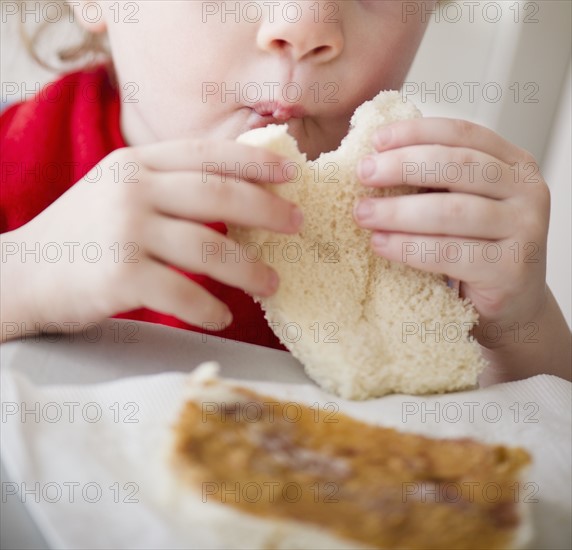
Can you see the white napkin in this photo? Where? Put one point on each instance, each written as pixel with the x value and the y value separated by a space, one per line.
pixel 84 458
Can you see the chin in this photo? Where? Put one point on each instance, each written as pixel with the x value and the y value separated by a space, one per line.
pixel 314 140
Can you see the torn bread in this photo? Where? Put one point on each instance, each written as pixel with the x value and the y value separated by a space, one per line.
pixel 361 325
pixel 257 472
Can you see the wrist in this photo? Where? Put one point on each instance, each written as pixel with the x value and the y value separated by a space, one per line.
pixel 543 347
pixel 514 327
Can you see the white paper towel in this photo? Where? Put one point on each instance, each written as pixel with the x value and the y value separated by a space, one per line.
pixel 87 459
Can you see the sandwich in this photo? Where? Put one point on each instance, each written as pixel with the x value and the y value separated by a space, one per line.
pixel 361 325
pixel 255 472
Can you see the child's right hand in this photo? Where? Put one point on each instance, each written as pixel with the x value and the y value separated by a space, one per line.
pixel 146 213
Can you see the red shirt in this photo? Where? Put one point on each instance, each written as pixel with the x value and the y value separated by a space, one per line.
pixel 50 142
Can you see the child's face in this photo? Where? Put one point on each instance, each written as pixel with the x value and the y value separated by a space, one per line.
pixel 201 69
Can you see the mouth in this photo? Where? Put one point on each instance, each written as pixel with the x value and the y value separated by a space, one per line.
pixel 272 112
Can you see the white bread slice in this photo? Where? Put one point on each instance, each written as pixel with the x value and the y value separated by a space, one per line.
pixel 360 324
pixel 232 519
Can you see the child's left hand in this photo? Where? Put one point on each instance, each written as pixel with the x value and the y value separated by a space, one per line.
pixel 486 226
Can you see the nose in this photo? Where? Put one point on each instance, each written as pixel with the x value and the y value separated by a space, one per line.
pixel 305 31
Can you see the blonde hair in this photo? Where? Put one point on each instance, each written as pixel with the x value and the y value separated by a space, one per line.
pixel 89 50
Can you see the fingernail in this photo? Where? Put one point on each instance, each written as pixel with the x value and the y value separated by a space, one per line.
pixel 382 138
pixel 273 281
pixel 379 240
pixel 296 217
pixel 366 168
pixel 363 210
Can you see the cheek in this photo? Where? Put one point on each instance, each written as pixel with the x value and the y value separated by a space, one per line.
pixel 172 50
pixel 156 40
pixel 390 53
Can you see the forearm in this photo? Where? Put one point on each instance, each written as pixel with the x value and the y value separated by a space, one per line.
pixel 16 316
pixel 548 351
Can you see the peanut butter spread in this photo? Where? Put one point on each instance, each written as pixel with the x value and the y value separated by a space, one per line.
pixel 365 483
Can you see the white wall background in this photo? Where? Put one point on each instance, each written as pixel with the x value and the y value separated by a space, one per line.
pixel 527 48
pixel 558 173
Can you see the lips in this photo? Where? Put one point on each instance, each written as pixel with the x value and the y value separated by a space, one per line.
pixel 273 112
pixel 279 111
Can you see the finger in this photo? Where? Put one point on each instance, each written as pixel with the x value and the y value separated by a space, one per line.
pixel 441 167
pixel 163 289
pixel 182 195
pixel 468 260
pixel 450 132
pixel 438 214
pixel 201 250
pixel 238 160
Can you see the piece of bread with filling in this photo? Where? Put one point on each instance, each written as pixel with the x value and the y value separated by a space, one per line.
pixel 253 471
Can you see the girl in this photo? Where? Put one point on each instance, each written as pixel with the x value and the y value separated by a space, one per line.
pixel 128 143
